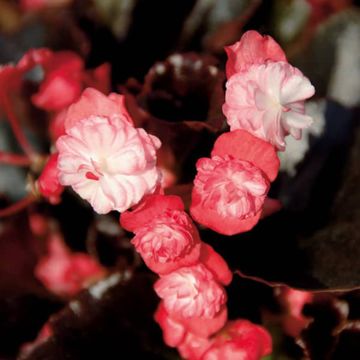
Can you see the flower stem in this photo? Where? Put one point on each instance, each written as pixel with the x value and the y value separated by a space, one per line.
pixel 17 206
pixel 14 159
pixel 15 125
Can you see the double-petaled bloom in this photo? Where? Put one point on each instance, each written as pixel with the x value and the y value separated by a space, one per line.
pixel 230 188
pixel 265 95
pixel 168 242
pixel 103 157
pixel 268 100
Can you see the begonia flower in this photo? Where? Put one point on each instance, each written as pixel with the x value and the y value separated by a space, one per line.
pixel 240 340
pixel 168 242
pixel 230 188
pixel 191 292
pixel 48 182
pixel 268 100
pixel 252 48
pixel 103 157
pixel 66 273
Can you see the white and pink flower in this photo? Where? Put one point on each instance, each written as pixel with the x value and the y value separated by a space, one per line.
pixel 104 158
pixel 191 292
pixel 268 100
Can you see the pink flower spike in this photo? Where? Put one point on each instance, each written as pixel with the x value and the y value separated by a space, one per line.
pixel 240 340
pixel 107 161
pixel 216 264
pixel 191 292
pixel 242 145
pixel 168 242
pixel 93 103
pixel 48 182
pixel 228 194
pixel 268 101
pixel 252 48
pixel 148 209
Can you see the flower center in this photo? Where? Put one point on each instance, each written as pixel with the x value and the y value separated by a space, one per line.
pixel 266 101
pixel 95 171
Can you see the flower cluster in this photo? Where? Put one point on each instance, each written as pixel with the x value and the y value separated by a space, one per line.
pixel 191 283
pixel 113 165
pixel 264 102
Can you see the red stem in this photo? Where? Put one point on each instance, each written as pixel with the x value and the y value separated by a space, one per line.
pixel 14 159
pixel 15 125
pixel 17 207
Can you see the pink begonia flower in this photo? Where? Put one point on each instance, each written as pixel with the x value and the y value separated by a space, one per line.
pixel 104 158
pixel 149 208
pixel 239 147
pixel 252 48
pixel 48 182
pixel 268 100
pixel 191 292
pixel 240 340
pixel 65 273
pixel 168 242
pixel 228 194
pixel 293 302
pixel 174 329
